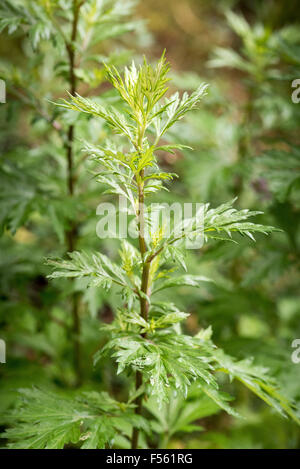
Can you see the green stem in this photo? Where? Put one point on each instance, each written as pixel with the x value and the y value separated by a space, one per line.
pixel 144 304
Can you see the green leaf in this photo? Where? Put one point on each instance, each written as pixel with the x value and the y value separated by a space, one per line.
pixel 183 280
pixel 98 269
pixel 49 420
pixel 166 360
pixel 282 170
pixel 117 121
pixel 256 378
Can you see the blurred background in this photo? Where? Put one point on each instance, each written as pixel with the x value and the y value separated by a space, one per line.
pixel 245 140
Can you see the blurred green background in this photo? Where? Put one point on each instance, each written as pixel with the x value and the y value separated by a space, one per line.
pixel 245 140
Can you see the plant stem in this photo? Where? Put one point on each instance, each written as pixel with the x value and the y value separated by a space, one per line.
pixel 144 304
pixel 71 233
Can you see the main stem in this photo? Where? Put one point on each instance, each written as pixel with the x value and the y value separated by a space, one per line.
pixel 144 304
pixel 71 234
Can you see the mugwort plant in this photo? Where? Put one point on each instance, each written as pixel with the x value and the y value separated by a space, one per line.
pixel 146 337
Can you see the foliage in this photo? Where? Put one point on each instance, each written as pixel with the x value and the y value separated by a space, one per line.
pixel 146 342
pixel 51 422
pixel 150 310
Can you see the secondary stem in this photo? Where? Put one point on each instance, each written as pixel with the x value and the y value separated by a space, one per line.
pixel 71 233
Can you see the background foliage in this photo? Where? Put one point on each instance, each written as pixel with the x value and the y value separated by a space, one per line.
pixel 245 144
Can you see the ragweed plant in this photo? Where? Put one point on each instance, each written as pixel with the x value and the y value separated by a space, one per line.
pixel 145 339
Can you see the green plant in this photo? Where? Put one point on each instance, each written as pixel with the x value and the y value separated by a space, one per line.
pixel 145 338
